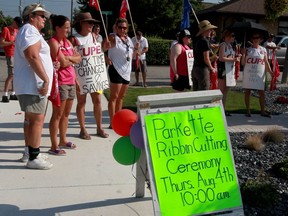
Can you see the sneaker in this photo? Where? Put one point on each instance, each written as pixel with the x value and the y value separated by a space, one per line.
pixel 5 99
pixel 24 158
pixel 13 97
pixel 39 163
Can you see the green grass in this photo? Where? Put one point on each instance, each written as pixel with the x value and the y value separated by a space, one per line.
pixel 234 104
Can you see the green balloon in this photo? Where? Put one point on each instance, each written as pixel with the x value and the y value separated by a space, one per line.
pixel 124 152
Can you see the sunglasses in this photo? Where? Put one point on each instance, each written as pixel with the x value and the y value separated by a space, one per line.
pixel 122 27
pixel 42 16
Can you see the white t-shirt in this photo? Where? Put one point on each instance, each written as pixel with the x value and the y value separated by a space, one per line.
pixel 25 79
pixel 269 51
pixel 121 57
pixel 143 44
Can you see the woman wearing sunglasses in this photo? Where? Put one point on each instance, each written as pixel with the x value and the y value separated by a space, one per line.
pixel 120 53
pixel 256 64
pixel 226 65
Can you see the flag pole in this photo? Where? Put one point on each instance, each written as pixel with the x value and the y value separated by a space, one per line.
pixel 194 14
pixel 103 21
pixel 131 20
pixel 132 23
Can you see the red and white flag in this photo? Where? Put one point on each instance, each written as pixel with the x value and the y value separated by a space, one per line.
pixel 123 9
pixel 94 3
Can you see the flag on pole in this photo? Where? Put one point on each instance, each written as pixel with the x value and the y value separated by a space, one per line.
pixel 276 72
pixel 185 22
pixel 94 3
pixel 123 9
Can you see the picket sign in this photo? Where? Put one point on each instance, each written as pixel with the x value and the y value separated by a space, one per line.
pixel 188 155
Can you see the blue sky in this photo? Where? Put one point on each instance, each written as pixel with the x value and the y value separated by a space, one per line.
pixel 63 7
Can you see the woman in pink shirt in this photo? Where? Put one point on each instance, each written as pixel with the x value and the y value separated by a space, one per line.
pixel 62 50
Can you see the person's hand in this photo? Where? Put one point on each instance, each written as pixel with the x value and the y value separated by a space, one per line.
pixel 44 89
pixel 106 45
pixel 56 65
pixel 213 70
pixel 176 77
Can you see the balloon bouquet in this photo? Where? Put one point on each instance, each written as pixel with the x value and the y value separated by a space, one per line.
pixel 127 149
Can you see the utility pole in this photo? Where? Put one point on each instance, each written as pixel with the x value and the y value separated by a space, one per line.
pixel 20 8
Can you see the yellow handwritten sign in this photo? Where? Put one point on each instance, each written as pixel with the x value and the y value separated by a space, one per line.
pixel 192 162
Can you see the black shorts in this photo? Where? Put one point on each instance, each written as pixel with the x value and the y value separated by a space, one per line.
pixel 115 77
pixel 181 83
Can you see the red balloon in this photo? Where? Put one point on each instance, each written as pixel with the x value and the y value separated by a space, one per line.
pixel 123 121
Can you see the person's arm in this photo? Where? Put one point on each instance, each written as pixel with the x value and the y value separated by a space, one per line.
pixel 207 60
pixel 224 58
pixel 243 57
pixel 267 65
pixel 34 60
pixel 175 52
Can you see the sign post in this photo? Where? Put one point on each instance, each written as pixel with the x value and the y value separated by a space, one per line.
pixel 189 154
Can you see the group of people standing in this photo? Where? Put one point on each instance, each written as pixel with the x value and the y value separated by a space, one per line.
pixel 254 60
pixel 39 63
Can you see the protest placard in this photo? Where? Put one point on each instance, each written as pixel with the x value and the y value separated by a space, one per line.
pixel 192 162
pixel 91 71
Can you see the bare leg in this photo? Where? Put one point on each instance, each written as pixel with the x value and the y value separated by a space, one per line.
pixel 63 125
pixel 247 100
pixel 97 109
pixel 114 92
pixel 35 127
pixel 137 77
pixel 80 111
pixel 54 124
pixel 262 101
pixel 223 89
pixel 119 101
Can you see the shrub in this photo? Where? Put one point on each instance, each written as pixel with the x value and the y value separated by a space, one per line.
pixel 258 193
pixel 254 142
pixel 281 169
pixel 159 50
pixel 273 135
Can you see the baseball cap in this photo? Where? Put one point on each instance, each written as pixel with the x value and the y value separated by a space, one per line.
pixel 34 8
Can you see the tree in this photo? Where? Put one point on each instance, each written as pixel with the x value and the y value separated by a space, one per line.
pixel 153 17
pixel 274 9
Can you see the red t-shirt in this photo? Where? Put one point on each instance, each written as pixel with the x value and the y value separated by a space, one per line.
pixel 9 35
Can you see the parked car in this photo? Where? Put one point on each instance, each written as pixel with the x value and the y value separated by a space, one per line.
pixel 282 42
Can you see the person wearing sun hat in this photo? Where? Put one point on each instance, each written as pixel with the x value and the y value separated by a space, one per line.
pixel 202 63
pixel 33 81
pixel 83 25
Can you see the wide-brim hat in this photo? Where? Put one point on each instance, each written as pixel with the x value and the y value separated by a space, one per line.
pixel 35 8
pixel 82 17
pixel 204 26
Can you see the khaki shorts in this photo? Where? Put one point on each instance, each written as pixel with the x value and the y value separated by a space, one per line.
pixel 32 103
pixel 10 64
pixel 67 92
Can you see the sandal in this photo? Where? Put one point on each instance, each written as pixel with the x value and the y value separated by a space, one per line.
pixel 84 135
pixel 248 115
pixel 58 152
pixel 265 114
pixel 102 134
pixel 68 145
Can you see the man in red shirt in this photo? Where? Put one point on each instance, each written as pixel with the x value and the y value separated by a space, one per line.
pixel 7 40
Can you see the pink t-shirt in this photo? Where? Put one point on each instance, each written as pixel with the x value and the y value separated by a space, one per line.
pixel 66 76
